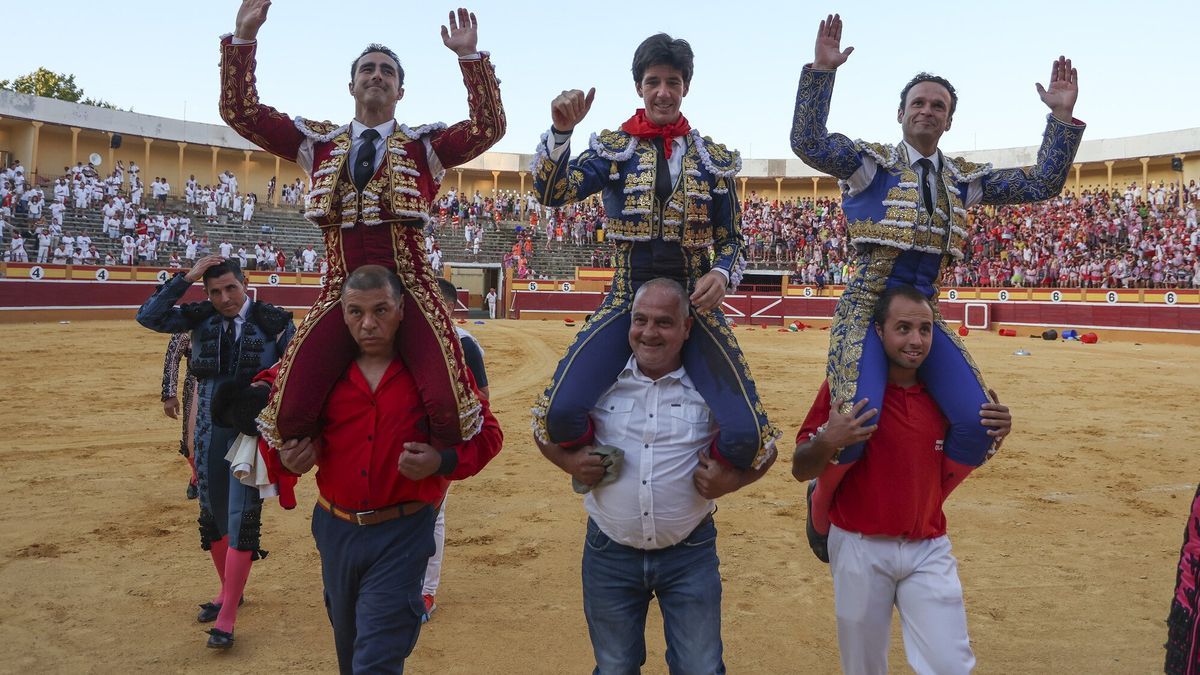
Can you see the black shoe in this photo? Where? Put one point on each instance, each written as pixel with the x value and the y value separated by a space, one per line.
pixel 193 492
pixel 819 543
pixel 210 610
pixel 219 639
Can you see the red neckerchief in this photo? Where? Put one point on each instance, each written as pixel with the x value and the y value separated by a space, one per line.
pixel 641 127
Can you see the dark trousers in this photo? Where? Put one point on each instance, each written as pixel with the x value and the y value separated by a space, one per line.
pixel 373 577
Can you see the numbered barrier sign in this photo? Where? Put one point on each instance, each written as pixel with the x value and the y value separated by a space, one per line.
pixel 533 286
pixel 952 294
pixel 36 272
pixel 273 280
pixel 1003 296
pixel 163 276
pixel 566 286
pixel 101 274
pixel 1111 297
pixel 1056 296
pixel 808 291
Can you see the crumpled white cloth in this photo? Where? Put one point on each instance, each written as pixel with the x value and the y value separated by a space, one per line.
pixel 248 467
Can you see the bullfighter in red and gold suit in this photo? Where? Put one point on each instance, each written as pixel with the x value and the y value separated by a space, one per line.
pixel 372 183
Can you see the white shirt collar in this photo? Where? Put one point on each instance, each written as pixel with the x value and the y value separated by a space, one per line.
pixel 915 155
pixel 243 312
pixel 385 129
pixel 631 370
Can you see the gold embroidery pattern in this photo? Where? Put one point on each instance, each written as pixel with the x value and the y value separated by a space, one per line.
pixel 325 197
pixel 409 246
pixel 617 303
pixel 715 325
pixel 239 104
pixel 852 318
pixel 327 301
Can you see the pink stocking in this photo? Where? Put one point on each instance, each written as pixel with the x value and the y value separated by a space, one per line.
pixel 237 572
pixel 219 554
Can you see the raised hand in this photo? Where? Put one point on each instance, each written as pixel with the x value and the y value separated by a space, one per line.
pixel 1060 97
pixel 828 52
pixel 250 17
pixel 462 37
pixel 197 272
pixel 570 107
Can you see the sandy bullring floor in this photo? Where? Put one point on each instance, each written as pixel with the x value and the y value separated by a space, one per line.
pixel 1067 541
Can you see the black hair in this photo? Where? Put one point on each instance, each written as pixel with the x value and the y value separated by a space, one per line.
pixel 663 50
pixel 884 304
pixel 449 292
pixel 228 266
pixel 371 277
pixel 382 49
pixel 936 79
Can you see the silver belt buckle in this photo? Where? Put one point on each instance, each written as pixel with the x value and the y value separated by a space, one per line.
pixel 358 516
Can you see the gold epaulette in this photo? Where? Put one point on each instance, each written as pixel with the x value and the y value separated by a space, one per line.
pixel 617 145
pixel 320 131
pixel 718 159
pixel 965 171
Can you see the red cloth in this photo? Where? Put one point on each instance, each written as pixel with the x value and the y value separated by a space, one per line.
pixel 896 489
pixel 284 480
pixel 641 127
pixel 364 433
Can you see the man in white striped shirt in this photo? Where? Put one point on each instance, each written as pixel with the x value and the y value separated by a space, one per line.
pixel 651 532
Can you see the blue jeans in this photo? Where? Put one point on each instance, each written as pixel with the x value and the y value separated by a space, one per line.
pixel 373 577
pixel 618 583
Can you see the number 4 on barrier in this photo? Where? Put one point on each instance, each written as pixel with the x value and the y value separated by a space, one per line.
pixel 101 274
pixel 36 272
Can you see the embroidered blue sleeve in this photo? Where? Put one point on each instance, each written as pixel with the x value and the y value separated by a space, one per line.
pixel 159 312
pixel 833 154
pixel 567 180
pixel 1043 180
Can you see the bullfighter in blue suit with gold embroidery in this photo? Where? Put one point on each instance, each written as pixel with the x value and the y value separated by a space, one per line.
pixel 672 210
pixel 905 208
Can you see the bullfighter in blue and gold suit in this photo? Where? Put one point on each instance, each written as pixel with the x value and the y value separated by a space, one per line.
pixel 673 211
pixel 905 208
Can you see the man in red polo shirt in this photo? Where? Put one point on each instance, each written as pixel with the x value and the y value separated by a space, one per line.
pixel 381 483
pixel 887 543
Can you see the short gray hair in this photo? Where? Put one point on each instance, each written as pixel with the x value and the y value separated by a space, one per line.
pixel 670 286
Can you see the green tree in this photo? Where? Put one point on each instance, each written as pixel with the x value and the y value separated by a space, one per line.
pixel 43 82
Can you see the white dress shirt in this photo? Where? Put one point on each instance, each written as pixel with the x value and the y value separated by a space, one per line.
pixel 661 425
pixel 861 179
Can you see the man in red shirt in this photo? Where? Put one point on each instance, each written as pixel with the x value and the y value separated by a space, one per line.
pixel 883 516
pixel 380 483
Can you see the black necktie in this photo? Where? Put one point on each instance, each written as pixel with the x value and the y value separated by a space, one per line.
pixel 228 347
pixel 364 166
pixel 662 181
pixel 926 193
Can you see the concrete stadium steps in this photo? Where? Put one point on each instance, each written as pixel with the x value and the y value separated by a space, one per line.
pixel 290 231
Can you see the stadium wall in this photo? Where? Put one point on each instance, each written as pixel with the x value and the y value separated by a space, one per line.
pixel 32 292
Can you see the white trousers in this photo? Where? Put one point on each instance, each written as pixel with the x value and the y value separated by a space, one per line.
pixel 433 570
pixel 920 578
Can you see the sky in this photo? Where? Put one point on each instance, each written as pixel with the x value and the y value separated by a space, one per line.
pixel 161 58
